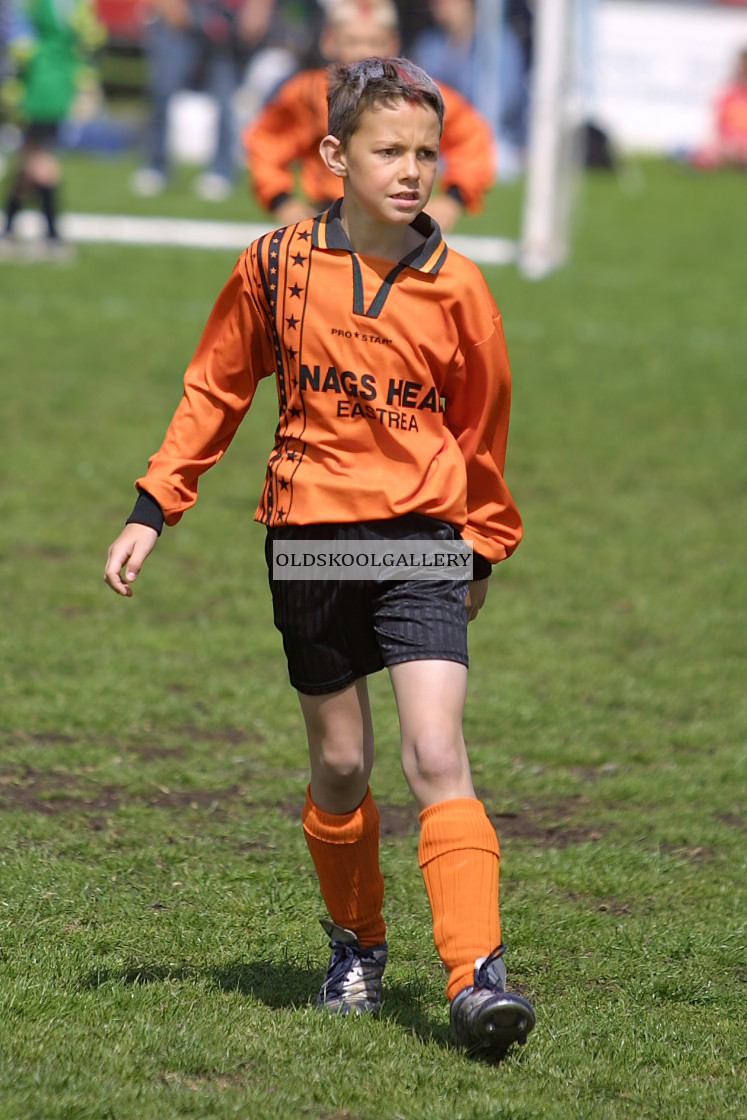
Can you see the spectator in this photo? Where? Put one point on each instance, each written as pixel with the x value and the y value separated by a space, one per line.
pixel 48 41
pixel 729 140
pixel 290 127
pixel 182 35
pixel 449 52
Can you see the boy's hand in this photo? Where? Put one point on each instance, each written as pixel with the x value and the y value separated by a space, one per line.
pixel 445 210
pixel 476 592
pixel 128 551
pixel 293 210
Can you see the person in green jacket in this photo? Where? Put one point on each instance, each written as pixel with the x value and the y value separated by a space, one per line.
pixel 49 40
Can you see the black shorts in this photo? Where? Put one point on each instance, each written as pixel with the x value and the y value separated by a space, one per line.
pixel 335 631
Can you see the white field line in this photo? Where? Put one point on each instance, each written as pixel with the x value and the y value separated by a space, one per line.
pixel 124 229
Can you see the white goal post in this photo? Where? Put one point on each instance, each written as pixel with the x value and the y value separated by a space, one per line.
pixel 558 99
pixel 556 116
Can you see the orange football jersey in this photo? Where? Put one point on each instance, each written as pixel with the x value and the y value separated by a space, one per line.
pixel 393 386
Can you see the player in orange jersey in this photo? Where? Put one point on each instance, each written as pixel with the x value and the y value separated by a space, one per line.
pixel 393 390
pixel 287 131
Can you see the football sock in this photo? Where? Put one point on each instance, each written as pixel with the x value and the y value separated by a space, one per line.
pixel 345 851
pixel 48 196
pixel 458 856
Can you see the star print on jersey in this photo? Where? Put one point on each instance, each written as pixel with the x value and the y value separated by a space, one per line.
pixel 354 392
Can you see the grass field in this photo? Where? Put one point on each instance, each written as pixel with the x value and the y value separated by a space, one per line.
pixel 159 945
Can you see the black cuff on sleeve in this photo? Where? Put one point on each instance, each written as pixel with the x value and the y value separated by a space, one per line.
pixel 481 568
pixel 279 199
pixel 146 512
pixel 454 192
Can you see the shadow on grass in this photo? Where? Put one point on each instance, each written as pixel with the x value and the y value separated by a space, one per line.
pixel 279 985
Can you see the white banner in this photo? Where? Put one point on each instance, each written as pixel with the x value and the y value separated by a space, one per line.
pixel 657 67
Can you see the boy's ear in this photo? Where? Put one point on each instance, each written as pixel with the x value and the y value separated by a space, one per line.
pixel 332 153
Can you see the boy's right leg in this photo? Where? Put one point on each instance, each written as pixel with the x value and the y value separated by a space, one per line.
pixel 341 826
pixel 340 818
pixel 339 730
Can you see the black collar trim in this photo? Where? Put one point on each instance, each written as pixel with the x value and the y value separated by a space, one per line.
pixel 328 233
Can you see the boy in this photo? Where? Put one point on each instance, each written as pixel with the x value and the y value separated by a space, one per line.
pixel 393 386
pixel 289 128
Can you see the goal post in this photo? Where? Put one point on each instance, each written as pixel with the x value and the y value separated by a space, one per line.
pixel 558 91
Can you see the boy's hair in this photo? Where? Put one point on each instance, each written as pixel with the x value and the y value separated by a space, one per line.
pixel 383 12
pixel 358 86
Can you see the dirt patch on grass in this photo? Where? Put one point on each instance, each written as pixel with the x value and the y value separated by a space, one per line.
pixel 235 1079
pixel 56 791
pixel 702 853
pixel 733 820
pixel 546 824
pixel 52 791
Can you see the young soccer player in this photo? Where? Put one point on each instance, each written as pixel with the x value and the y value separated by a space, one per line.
pixel 393 387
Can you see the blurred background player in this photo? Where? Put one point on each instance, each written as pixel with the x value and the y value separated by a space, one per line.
pixel 729 141
pixel 289 128
pixel 448 51
pixel 48 41
pixel 182 36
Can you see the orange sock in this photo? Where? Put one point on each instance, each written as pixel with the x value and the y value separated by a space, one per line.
pixel 345 851
pixel 458 855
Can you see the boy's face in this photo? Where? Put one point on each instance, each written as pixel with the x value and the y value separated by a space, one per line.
pixel 391 160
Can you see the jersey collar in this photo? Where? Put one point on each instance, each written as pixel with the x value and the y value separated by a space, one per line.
pixel 328 233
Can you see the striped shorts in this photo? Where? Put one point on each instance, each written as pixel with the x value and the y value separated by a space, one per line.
pixel 335 631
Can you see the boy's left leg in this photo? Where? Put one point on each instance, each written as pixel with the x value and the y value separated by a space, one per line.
pixel 458 852
pixel 458 856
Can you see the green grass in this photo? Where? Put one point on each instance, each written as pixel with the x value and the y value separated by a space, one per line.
pixel 158 937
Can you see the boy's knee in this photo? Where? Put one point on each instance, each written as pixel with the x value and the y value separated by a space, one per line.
pixel 339 763
pixel 434 757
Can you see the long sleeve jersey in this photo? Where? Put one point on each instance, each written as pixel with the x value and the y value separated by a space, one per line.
pixel 393 387
pixel 289 128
